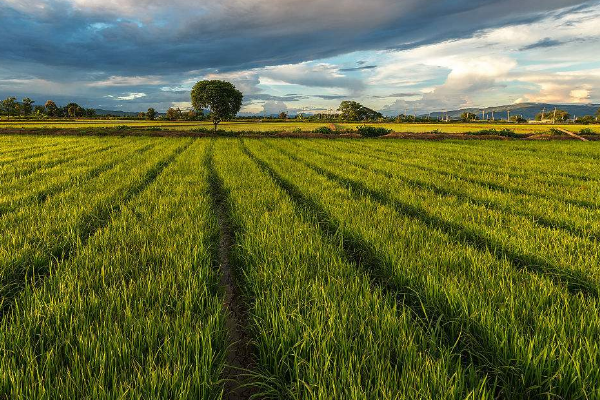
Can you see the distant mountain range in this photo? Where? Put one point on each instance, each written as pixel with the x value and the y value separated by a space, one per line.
pixel 527 110
pixel 116 113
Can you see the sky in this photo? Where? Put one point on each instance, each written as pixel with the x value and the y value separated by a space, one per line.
pixel 395 56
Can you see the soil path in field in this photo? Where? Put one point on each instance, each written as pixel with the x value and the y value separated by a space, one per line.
pixel 239 357
pixel 576 136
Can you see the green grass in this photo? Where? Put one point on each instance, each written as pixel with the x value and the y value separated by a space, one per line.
pixel 363 269
pixel 292 126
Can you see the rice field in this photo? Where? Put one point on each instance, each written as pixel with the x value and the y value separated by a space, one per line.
pixel 229 268
pixel 291 126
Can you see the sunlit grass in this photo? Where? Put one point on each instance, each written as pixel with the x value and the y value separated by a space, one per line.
pixel 367 268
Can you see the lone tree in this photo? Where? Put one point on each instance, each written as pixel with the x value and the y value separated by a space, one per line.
pixel 221 98
pixel 353 111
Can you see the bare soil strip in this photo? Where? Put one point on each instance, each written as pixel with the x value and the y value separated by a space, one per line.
pixel 239 358
pixel 576 136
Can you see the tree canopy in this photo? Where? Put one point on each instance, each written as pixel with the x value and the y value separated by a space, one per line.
pixel 468 116
pixel 221 98
pixel 27 106
pixel 173 114
pixel 151 114
pixel 354 111
pixel 555 115
pixel 51 108
pixel 9 105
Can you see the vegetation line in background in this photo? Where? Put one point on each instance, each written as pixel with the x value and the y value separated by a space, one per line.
pixel 16 280
pixel 574 281
pixel 239 357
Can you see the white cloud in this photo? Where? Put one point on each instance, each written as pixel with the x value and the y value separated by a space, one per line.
pixel 127 81
pixel 131 96
pixel 274 107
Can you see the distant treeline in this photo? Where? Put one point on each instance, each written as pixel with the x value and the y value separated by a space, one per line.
pixel 347 111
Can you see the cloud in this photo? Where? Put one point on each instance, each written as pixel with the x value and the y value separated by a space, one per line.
pixel 562 87
pixel 182 35
pixel 274 107
pixel 320 75
pixel 126 81
pixel 131 96
pixel 546 42
pixel 270 97
pixel 422 54
pixel 360 68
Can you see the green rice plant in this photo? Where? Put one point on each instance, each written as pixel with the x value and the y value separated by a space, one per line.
pixel 545 212
pixel 136 313
pixel 516 325
pixel 569 191
pixel 45 182
pixel 16 171
pixel 42 233
pixel 320 329
pixel 365 268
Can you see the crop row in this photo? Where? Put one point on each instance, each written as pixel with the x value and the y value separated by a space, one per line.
pixel 162 268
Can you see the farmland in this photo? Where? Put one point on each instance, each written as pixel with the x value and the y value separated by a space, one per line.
pixel 290 126
pixel 147 267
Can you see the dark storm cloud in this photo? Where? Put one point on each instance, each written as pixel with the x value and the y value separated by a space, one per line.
pixel 110 52
pixel 269 97
pixel 330 96
pixel 361 68
pixel 547 42
pixel 125 38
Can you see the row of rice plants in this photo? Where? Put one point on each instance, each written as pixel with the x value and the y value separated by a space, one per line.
pixel 43 182
pixel 580 221
pixel 559 253
pixel 30 161
pixel 521 329
pixel 16 171
pixel 136 313
pixel 578 195
pixel 11 145
pixel 319 328
pixel 551 159
pixel 41 233
pixel 15 148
